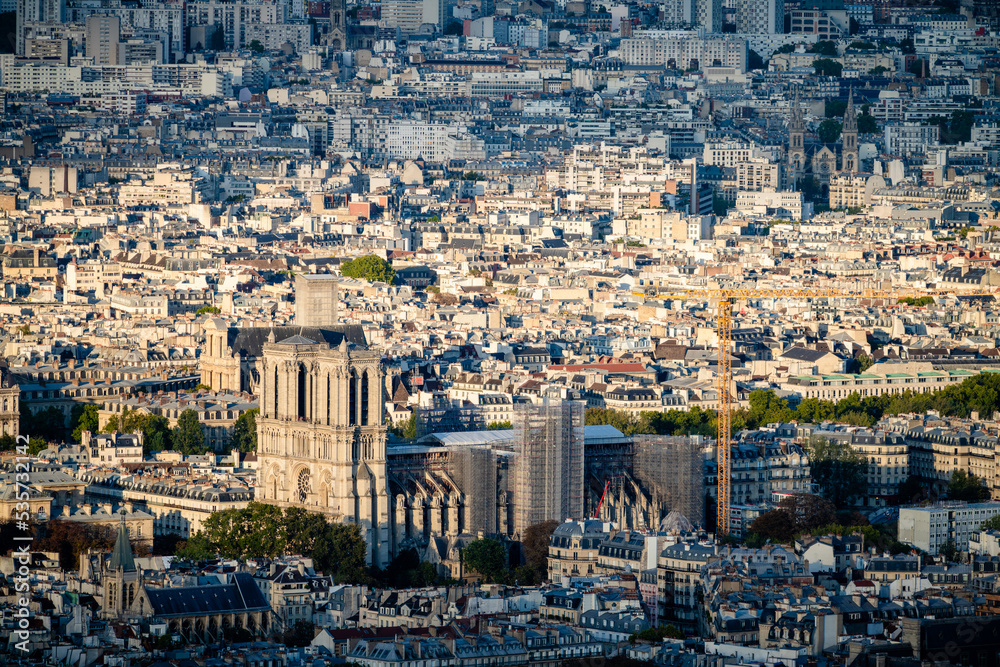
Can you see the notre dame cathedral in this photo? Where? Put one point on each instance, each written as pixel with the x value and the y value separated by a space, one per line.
pixel 321 440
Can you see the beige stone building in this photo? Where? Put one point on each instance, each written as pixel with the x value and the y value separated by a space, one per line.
pixel 573 549
pixel 854 190
pixel 231 358
pixel 321 437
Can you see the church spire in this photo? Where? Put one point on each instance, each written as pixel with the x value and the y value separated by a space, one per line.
pixel 796 121
pixel 849 155
pixel 850 115
pixel 121 555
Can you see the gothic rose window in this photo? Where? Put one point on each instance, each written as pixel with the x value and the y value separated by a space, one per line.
pixel 303 485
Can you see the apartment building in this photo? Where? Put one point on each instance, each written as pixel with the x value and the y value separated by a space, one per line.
pixel 932 527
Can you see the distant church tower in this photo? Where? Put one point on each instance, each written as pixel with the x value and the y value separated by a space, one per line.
pixel 321 437
pixel 121 578
pixel 849 138
pixel 796 145
pixel 336 37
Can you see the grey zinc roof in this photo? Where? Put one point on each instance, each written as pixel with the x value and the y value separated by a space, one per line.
pixel 121 556
pixel 249 341
pixel 242 595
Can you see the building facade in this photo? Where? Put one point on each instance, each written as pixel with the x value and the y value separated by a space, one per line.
pixel 321 437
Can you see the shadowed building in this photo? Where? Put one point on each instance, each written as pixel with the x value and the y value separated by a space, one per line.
pixel 232 356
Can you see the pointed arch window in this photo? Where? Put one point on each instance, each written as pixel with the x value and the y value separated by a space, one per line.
pixel 352 403
pixel 364 399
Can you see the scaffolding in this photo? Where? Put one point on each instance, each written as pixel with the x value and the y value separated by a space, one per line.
pixel 547 470
pixel 474 469
pixel 450 420
pixel 672 468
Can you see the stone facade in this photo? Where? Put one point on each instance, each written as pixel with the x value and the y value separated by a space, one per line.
pixel 321 440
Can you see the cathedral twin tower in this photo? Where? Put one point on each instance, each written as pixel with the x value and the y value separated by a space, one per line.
pixel 321 440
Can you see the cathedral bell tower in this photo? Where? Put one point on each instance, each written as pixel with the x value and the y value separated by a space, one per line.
pixel 849 138
pixel 321 434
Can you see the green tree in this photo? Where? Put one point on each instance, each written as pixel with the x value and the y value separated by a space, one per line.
pixel 371 268
pixel 766 408
pixel 256 46
pixel 910 490
pixel 535 547
pixel 188 437
pixel 860 364
pixel 878 70
pixel 453 28
pixel 917 67
pixel 156 434
pixel 208 310
pixel 7 443
pixel 36 445
pixel 960 127
pixel 949 551
pixel 46 424
pixel 777 525
pixel 720 206
pixel 487 558
pixel 825 48
pixel 809 510
pixel 966 486
pixel 785 48
pixel 472 176
pixel 867 124
pixel 827 67
pixel 244 436
pixel 755 61
pixel 834 109
pixel 8 23
pixel 218 42
pixel 829 130
pixel 839 471
pixel 406 429
pixel 499 426
pixel 196 549
pixel 84 417
pixel 993 523
pixel 811 188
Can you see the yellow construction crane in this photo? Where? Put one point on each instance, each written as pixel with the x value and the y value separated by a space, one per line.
pixel 725 297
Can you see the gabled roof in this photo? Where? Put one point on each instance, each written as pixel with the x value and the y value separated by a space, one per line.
pixel 242 595
pixel 249 341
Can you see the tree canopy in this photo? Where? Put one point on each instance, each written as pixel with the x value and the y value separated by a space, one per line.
pixel 794 515
pixel 188 437
pixel 825 47
pixel 966 486
pixel 840 472
pixel 371 268
pixel 487 558
pixel 48 424
pixel 266 531
pixel 535 548
pixel 244 437
pixel 829 130
pixel 84 417
pixel 155 429
pixel 827 67
pixel 693 422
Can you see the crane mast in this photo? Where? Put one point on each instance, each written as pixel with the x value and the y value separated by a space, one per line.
pixel 725 297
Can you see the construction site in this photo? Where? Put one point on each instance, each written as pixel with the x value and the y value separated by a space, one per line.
pixel 550 466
